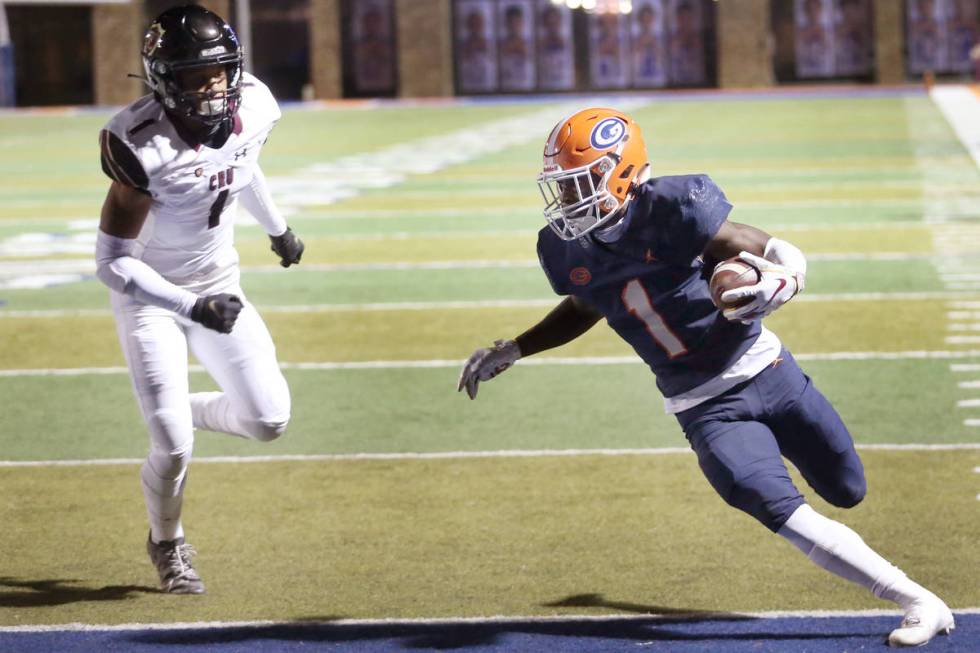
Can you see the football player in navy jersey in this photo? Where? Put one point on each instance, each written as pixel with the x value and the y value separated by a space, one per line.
pixel 180 158
pixel 638 252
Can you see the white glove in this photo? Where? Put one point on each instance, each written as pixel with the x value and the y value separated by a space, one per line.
pixel 484 364
pixel 777 285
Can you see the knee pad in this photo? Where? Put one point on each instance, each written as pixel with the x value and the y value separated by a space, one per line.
pixel 267 430
pixel 768 499
pixel 849 492
pixel 169 465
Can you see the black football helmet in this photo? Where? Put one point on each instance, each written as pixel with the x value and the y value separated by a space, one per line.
pixel 189 37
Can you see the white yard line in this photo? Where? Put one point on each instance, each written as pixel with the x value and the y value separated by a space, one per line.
pixel 460 621
pixel 450 455
pixel 968 403
pixel 528 362
pixel 958 326
pixel 962 340
pixel 476 304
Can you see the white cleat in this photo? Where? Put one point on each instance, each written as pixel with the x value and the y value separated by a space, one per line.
pixel 924 619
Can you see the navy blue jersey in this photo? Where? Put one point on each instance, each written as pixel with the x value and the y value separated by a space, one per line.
pixel 651 283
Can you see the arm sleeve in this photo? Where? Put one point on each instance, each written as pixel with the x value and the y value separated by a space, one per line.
pixel 118 268
pixel 120 164
pixel 257 201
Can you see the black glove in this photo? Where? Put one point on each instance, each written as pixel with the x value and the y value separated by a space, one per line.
pixel 287 247
pixel 217 312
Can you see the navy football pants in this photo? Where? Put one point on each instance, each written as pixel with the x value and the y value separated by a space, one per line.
pixel 741 436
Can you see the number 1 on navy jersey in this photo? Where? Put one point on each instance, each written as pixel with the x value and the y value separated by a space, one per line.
pixel 638 303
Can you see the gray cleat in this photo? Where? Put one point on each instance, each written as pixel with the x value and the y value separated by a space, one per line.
pixel 172 558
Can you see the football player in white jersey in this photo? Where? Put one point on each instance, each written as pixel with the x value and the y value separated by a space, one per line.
pixel 180 159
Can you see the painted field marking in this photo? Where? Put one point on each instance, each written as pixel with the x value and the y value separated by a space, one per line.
pixel 964 304
pixel 964 367
pixel 471 304
pixel 968 403
pixel 349 176
pixel 971 422
pixel 450 455
pixel 962 340
pixel 962 285
pixel 963 315
pixel 960 108
pixel 969 385
pixel 527 362
pixel 957 326
pixel 452 621
pixel 960 276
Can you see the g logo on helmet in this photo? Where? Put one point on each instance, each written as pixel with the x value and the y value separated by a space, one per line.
pixel 607 133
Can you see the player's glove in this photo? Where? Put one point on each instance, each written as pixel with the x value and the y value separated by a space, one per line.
pixel 287 247
pixel 487 363
pixel 217 312
pixel 777 285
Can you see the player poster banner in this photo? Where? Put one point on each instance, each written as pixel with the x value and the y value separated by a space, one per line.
pixel 556 47
pixel 7 70
pixel 609 50
pixel 649 43
pixel 814 22
pixel 685 26
pixel 940 34
pixel 372 32
pixel 853 42
pixel 476 46
pixel 516 44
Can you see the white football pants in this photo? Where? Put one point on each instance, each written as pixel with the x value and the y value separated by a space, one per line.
pixel 253 402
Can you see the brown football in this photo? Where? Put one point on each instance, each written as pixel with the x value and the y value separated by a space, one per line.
pixel 729 274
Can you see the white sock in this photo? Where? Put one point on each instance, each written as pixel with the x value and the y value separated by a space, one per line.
pixel 164 499
pixel 841 551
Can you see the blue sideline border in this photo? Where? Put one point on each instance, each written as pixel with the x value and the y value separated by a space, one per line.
pixel 687 634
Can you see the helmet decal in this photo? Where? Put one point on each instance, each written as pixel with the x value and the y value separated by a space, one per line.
pixel 153 37
pixel 607 133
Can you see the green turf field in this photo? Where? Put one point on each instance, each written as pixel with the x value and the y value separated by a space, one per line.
pixel 398 285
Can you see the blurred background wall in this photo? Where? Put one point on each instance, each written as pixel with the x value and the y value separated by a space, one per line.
pixel 78 52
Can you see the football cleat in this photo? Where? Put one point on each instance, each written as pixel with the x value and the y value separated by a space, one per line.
pixel 927 617
pixel 172 558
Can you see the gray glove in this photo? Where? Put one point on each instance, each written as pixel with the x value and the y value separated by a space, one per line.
pixel 486 363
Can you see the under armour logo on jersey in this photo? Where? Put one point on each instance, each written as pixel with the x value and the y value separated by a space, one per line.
pixel 607 133
pixel 580 276
pixel 241 153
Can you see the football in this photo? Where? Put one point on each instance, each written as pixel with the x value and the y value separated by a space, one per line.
pixel 729 274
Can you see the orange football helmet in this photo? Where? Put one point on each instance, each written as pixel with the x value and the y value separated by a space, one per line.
pixel 593 162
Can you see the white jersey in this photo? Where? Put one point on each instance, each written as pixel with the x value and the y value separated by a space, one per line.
pixel 188 234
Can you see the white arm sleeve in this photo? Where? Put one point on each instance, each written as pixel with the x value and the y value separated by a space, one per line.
pixel 256 199
pixel 788 255
pixel 117 268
